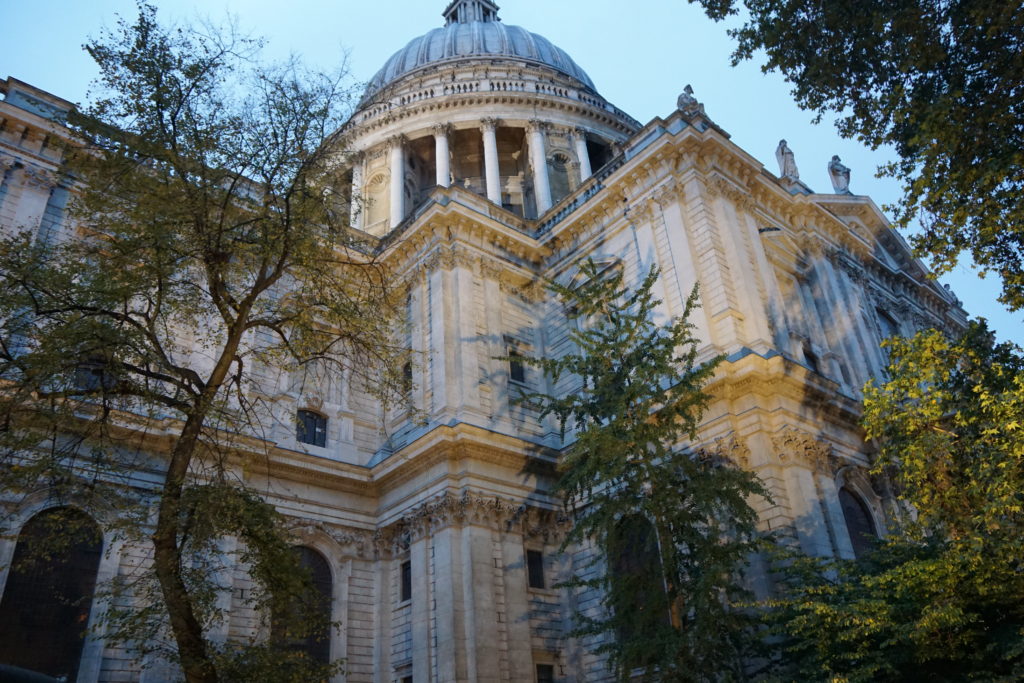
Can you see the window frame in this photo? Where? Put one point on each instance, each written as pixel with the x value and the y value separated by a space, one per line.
pixel 535 570
pixel 319 431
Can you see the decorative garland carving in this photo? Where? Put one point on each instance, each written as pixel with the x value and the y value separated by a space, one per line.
pixel 795 446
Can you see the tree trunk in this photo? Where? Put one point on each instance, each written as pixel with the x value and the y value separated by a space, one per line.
pixel 188 632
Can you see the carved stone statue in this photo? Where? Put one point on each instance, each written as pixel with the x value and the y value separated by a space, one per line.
pixel 687 103
pixel 840 176
pixel 787 161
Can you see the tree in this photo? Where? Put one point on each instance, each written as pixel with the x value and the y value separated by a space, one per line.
pixel 942 83
pixel 942 598
pixel 640 496
pixel 210 245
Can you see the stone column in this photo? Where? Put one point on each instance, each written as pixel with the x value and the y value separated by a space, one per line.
pixel 489 128
pixel 397 148
pixel 580 137
pixel 357 199
pixel 539 161
pixel 443 161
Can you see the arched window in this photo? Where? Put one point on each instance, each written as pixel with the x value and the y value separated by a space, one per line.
pixel 637 579
pixel 311 428
pixel 317 644
pixel 45 607
pixel 859 524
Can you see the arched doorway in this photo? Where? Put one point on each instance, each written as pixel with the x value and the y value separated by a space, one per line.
pixel 45 607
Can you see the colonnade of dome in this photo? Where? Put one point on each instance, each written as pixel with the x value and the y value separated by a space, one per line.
pixel 494 110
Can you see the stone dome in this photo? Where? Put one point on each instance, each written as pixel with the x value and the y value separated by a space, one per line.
pixel 474 31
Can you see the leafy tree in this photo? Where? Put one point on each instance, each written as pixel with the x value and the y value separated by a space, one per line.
pixel 209 245
pixel 942 598
pixel 939 81
pixel 639 494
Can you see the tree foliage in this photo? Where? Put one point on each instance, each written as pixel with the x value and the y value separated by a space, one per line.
pixel 942 599
pixel 638 493
pixel 210 244
pixel 942 82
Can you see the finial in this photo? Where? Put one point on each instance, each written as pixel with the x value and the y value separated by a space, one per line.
pixel 466 11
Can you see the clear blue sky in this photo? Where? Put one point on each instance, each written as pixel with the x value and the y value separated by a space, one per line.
pixel 640 55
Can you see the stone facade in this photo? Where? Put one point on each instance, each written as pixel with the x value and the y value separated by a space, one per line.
pixel 486 168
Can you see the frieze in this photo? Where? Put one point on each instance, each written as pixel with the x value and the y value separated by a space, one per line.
pixel 795 446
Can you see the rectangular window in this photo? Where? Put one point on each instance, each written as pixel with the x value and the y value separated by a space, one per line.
pixel 545 673
pixel 406 590
pixel 535 568
pixel 312 428
pixel 516 367
pixel 406 679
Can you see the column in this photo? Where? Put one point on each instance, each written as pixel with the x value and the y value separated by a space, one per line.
pixel 539 163
pixel 357 199
pixel 443 160
pixel 396 146
pixel 582 155
pixel 490 127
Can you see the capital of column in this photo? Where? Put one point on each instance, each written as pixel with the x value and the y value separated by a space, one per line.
pixel 442 130
pixel 537 126
pixel 395 141
pixel 490 123
pixel 580 131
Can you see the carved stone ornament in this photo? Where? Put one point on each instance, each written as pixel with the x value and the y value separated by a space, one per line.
pixel 687 103
pixel 352 541
pixel 734 450
pixel 452 510
pixel 787 161
pixel 38 177
pixel 795 446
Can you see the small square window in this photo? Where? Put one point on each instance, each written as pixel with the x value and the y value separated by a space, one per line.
pixel 545 673
pixel 312 428
pixel 535 568
pixel 406 679
pixel 406 589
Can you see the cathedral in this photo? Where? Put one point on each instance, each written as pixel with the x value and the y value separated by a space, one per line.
pixel 487 161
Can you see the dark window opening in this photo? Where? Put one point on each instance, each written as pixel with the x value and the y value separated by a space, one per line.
pixel 406 679
pixel 94 374
pixel 859 525
pixel 310 614
pixel 45 607
pixel 312 428
pixel 545 673
pixel 600 154
pixel 516 369
pixel 811 358
pixel 516 366
pixel 535 568
pixel 406 589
